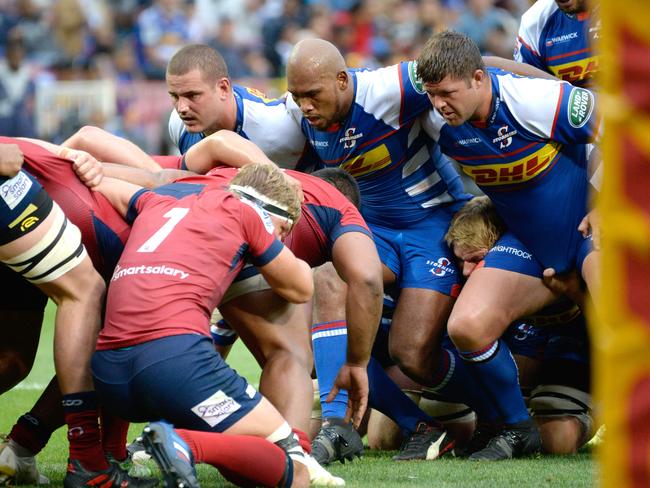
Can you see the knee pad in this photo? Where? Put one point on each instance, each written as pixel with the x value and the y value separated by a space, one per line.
pixel 563 401
pixel 58 252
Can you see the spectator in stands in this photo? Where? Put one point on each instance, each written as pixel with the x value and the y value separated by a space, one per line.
pixel 163 29
pixel 16 90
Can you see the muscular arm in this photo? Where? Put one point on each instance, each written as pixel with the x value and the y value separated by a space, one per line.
pixel 355 259
pixel 143 177
pixel 111 148
pixel 289 277
pixel 522 69
pixel 118 192
pixel 223 147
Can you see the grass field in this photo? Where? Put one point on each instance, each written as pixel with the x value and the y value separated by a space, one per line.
pixel 376 468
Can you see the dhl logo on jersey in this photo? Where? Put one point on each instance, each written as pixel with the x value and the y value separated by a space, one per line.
pixel 519 171
pixel 576 71
pixel 370 161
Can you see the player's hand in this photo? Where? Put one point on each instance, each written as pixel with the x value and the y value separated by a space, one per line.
pixel 87 168
pixel 590 225
pixel 11 160
pixel 568 284
pixel 354 379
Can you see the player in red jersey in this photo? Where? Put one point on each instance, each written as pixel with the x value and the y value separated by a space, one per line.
pixel 331 230
pixel 155 359
pixel 40 245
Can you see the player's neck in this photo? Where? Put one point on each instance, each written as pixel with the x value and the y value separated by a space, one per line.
pixel 484 109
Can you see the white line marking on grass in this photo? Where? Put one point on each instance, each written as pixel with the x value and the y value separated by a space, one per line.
pixel 29 386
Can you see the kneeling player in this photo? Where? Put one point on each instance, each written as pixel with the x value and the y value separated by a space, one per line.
pixel 155 359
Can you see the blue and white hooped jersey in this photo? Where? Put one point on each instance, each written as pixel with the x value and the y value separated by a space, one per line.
pixel 558 43
pixel 264 121
pixel 401 173
pixel 530 158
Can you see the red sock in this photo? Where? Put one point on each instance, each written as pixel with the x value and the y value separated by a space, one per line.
pixel 81 415
pixel 303 440
pixel 244 460
pixel 114 432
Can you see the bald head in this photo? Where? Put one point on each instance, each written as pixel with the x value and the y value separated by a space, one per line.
pixel 319 83
pixel 315 57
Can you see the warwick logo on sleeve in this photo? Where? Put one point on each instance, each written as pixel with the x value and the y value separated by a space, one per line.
pixel 581 105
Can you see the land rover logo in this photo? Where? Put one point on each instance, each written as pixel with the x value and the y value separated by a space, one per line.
pixel 413 76
pixel 581 104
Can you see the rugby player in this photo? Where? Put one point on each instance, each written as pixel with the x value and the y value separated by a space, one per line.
pixel 550 346
pixel 524 142
pixel 42 247
pixel 557 36
pixel 169 369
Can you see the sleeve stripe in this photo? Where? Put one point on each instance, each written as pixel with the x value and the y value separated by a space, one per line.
pixel 132 211
pixel 523 43
pixel 557 110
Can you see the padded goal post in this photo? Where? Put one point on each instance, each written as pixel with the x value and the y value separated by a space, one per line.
pixel 622 332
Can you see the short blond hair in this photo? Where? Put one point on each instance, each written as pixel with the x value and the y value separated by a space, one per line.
pixel 475 226
pixel 271 182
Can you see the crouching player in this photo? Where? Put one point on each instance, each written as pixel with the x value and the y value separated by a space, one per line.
pixel 155 358
pixel 551 346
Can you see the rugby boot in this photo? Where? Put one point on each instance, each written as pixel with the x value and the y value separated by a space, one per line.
pixel 172 454
pixel 336 441
pixel 482 434
pixel 114 477
pixel 426 442
pixel 319 476
pixel 18 470
pixel 513 441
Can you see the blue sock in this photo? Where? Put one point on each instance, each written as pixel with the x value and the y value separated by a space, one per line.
pixel 390 400
pixel 330 342
pixel 495 369
pixel 455 382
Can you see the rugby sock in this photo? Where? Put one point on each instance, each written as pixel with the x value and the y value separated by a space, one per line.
pixel 81 415
pixel 495 369
pixel 303 440
pixel 33 430
pixel 330 342
pixel 390 400
pixel 243 460
pixel 114 432
pixel 454 381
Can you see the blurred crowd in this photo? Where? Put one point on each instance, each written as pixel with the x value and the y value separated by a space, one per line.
pixel 132 40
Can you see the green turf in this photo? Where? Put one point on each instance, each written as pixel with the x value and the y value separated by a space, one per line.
pixel 376 468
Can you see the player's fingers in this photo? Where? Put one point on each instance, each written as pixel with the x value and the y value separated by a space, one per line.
pixel 360 412
pixel 333 392
pixel 584 228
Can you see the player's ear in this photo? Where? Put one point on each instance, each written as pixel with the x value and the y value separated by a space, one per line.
pixel 342 79
pixel 479 75
pixel 223 86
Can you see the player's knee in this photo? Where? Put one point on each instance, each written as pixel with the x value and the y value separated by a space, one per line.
pixel 469 329
pixel 560 435
pixel 411 360
pixel 290 359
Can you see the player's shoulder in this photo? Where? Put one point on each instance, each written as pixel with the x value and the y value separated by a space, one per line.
pixel 525 94
pixel 536 17
pixel 253 95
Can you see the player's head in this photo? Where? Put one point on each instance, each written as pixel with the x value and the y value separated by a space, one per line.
pixel 453 74
pixel 572 6
pixel 197 81
pixel 269 187
pixel 319 83
pixel 342 181
pixel 473 231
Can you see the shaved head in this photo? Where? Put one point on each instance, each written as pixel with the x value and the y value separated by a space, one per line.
pixel 317 56
pixel 318 80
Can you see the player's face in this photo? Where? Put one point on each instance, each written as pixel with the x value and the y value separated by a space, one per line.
pixel 469 257
pixel 320 100
pixel 199 104
pixel 572 6
pixel 455 100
